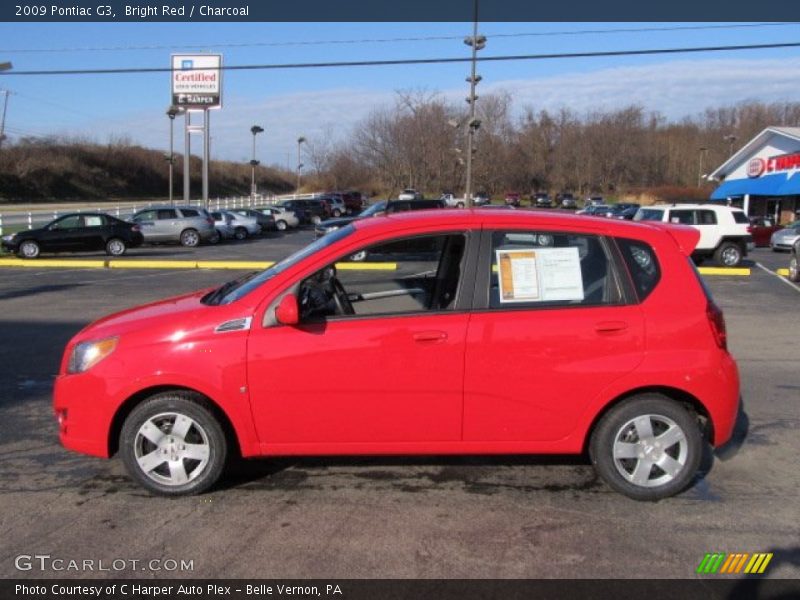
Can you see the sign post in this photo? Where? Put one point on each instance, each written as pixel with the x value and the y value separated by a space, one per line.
pixel 196 86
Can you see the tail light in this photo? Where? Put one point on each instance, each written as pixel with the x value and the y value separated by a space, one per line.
pixel 136 228
pixel 749 229
pixel 209 220
pixel 717 321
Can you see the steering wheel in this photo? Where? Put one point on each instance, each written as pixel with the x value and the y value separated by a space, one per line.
pixel 343 304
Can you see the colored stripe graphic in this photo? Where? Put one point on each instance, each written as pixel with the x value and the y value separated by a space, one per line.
pixel 733 563
pixel 711 562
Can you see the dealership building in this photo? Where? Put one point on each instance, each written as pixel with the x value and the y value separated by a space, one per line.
pixel 763 177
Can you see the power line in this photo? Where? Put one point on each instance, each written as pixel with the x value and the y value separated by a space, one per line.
pixel 412 61
pixel 433 38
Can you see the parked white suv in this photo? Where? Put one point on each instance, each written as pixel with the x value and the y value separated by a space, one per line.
pixel 724 231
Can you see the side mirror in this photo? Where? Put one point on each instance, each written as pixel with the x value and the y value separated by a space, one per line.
pixel 287 311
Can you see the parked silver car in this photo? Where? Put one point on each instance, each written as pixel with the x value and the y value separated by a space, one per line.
pixel 785 239
pixel 223 224
pixel 187 225
pixel 243 226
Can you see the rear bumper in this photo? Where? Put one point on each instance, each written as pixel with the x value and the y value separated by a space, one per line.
pixel 724 408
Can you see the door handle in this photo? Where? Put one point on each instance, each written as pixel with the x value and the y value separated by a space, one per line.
pixel 610 326
pixel 430 336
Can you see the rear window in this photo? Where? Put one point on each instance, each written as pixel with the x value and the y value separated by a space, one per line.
pixel 740 217
pixel 189 212
pixel 642 265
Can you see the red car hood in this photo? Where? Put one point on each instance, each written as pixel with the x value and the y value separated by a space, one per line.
pixel 160 313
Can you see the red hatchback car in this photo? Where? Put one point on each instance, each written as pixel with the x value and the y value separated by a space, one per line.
pixel 479 332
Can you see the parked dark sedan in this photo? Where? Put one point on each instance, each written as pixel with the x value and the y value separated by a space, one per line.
pixel 76 232
pixel 378 209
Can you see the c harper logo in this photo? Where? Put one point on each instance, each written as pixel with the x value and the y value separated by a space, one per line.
pixel 733 563
pixel 756 167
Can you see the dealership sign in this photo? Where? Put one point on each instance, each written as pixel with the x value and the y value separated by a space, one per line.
pixel 774 164
pixel 197 80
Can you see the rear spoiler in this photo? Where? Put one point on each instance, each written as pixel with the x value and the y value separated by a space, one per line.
pixel 685 236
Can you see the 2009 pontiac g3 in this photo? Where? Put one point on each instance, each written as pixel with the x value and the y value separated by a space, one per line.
pixel 474 332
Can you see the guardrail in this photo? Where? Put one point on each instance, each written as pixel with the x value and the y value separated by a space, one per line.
pixel 30 219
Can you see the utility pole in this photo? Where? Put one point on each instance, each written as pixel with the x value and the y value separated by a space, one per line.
pixel 477 43
pixel 300 140
pixel 703 150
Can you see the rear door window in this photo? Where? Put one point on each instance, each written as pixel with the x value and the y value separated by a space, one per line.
pixel 537 269
pixel 166 213
pixel 707 217
pixel 189 212
pixel 683 217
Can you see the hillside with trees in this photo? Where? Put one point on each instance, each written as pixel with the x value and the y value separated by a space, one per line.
pixel 42 169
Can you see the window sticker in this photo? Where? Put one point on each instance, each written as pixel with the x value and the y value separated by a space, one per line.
pixel 541 275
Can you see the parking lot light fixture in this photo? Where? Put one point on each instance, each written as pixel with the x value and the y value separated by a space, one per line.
pixel 255 130
pixel 172 112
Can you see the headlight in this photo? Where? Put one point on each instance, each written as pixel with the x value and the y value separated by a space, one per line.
pixel 8 238
pixel 87 354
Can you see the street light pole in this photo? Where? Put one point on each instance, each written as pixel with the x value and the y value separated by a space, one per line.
pixel 172 112
pixel 4 67
pixel 300 140
pixel 703 150
pixel 255 130
pixel 730 139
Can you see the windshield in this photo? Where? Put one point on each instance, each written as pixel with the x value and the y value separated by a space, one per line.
pixel 243 288
pixel 375 208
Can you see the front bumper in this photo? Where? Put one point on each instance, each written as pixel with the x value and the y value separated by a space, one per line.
pixel 82 407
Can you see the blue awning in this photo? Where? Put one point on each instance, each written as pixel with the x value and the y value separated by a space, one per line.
pixel 769 185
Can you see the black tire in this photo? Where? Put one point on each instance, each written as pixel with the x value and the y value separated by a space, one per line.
pixel 29 249
pixel 115 247
pixel 615 435
pixel 281 225
pixel 460 205
pixel 216 238
pixel 794 267
pixel 240 233
pixel 204 431
pixel 190 238
pixel 728 254
pixel 337 213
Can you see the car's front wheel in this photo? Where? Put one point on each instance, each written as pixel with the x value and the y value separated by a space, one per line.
pixel 29 249
pixel 115 247
pixel 648 447
pixel 173 445
pixel 281 225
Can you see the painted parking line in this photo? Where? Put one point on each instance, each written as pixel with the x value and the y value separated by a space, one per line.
pixel 173 264
pixel 777 273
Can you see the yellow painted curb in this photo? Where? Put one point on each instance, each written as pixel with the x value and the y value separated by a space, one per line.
pixel 37 263
pixel 152 264
pixel 349 266
pixel 783 272
pixel 724 271
pixel 233 264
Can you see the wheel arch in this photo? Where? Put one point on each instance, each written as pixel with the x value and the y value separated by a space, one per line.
pixel 692 403
pixel 134 400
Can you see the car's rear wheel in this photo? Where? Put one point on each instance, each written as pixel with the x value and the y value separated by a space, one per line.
pixel 240 233
pixel 728 254
pixel 215 237
pixel 460 205
pixel 281 225
pixel 648 447
pixel 29 249
pixel 173 445
pixel 337 213
pixel 115 247
pixel 190 238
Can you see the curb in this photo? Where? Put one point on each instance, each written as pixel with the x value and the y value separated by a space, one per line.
pixel 172 264
pixel 741 271
pixel 782 272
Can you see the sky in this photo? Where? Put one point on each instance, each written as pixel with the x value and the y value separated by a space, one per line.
pixel 317 103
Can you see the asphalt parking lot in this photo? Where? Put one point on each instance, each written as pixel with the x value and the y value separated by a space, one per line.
pixel 451 517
